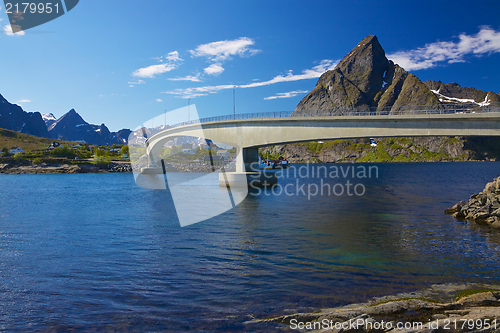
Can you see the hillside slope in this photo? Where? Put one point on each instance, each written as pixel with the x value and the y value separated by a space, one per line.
pixel 404 149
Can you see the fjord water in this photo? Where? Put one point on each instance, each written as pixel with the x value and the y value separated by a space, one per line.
pixel 94 252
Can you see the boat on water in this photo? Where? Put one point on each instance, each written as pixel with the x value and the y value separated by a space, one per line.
pixel 265 164
pixel 269 164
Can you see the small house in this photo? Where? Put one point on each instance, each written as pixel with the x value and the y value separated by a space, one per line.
pixel 224 153
pixel 53 145
pixel 15 150
pixel 187 148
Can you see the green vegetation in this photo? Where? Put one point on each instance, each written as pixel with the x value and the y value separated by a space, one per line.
pixel 430 300
pixel 379 154
pixel 391 149
pixel 264 154
pixel 404 141
pixel 395 146
pixel 63 151
pixel 317 147
pixel 358 146
pixel 451 140
pixel 9 139
pixel 18 157
pixel 37 151
pixel 102 160
pixel 314 160
pixel 124 151
pixel 468 292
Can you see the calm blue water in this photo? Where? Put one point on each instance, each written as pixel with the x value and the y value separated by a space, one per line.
pixel 94 252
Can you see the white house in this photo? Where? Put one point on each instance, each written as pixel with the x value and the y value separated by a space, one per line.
pixel 14 150
pixel 53 145
pixel 224 153
pixel 187 148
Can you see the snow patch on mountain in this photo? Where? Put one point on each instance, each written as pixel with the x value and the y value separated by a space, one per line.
pixel 446 99
pixel 49 119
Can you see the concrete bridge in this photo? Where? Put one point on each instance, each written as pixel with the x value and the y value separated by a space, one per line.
pixel 250 134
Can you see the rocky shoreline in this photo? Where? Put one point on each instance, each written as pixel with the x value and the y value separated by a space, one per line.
pixel 53 168
pixel 482 208
pixel 46 168
pixel 442 308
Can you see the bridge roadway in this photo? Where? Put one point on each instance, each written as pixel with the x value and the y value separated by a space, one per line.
pixel 250 134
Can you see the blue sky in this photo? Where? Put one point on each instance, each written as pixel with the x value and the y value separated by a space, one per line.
pixel 122 62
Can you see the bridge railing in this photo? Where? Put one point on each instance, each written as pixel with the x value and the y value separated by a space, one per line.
pixel 404 110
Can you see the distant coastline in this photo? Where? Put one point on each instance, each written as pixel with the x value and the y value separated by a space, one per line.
pixel 124 167
pixel 54 168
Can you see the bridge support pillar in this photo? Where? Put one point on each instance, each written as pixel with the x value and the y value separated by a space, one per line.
pixel 247 172
pixel 248 160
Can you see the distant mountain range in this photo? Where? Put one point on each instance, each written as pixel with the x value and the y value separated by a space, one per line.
pixel 366 80
pixel 70 126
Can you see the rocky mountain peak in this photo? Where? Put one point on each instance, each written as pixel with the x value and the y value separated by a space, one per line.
pixel 69 119
pixel 365 79
pixel 49 119
pixel 365 67
pixel 14 118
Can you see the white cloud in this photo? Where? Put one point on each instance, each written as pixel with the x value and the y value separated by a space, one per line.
pixel 171 61
pixel 24 101
pixel 173 56
pixel 192 78
pixel 287 94
pixel 216 52
pixel 159 100
pixel 132 84
pixel 8 31
pixel 313 73
pixel 199 91
pixel 214 69
pixel 485 41
pixel 153 70
pixel 223 50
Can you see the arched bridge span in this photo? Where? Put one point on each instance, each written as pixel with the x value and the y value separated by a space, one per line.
pixel 250 134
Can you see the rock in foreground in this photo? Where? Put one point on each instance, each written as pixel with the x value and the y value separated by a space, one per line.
pixel 480 308
pixel 482 208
